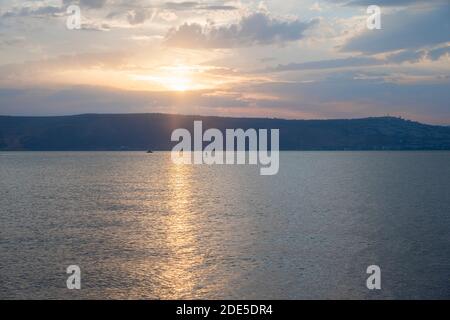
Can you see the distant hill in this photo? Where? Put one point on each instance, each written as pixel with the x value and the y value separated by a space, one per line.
pixel 153 131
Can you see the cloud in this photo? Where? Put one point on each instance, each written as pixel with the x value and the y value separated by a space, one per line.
pixel 327 64
pixel 436 54
pixel 139 16
pixel 12 41
pixel 42 9
pixel 406 56
pixel 32 11
pixel 88 99
pixel 92 26
pixel 43 71
pixel 405 29
pixel 410 56
pixel 387 3
pixel 358 94
pixel 316 7
pixel 255 29
pixel 166 11
pixel 94 4
pixel 192 5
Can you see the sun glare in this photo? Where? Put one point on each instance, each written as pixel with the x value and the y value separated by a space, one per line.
pixel 181 78
pixel 173 78
pixel 178 84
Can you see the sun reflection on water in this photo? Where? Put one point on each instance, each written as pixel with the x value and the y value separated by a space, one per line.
pixel 182 268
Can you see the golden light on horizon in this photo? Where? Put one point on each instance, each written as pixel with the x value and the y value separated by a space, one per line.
pixel 168 83
pixel 173 78
pixel 178 78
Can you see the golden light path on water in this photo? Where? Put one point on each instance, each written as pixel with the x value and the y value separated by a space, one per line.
pixel 170 248
pixel 181 268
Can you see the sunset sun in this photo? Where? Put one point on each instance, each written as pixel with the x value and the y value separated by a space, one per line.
pixel 178 78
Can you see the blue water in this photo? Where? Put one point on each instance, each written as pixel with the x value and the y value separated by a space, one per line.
pixel 141 227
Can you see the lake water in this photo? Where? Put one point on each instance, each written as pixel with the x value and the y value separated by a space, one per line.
pixel 141 227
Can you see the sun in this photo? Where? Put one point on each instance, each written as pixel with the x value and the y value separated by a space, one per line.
pixel 178 84
pixel 179 78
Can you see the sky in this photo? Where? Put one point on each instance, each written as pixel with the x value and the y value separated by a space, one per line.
pixel 279 59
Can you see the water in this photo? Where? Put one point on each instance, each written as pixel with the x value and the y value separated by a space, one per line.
pixel 141 227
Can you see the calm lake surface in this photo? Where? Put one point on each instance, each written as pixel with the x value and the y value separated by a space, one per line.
pixel 141 227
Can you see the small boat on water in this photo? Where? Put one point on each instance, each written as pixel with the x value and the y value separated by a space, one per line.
pixel 149 151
